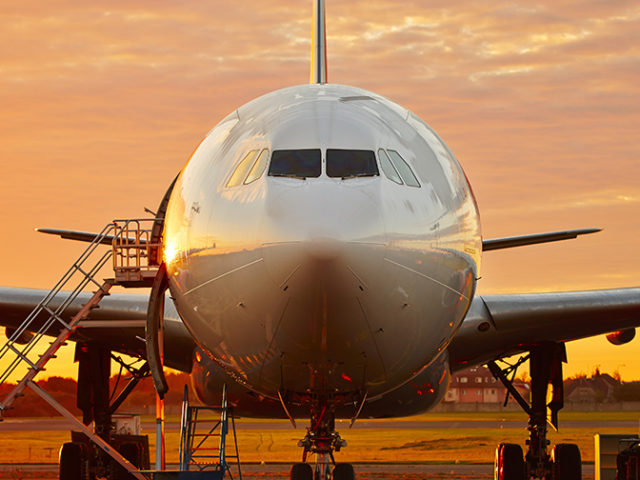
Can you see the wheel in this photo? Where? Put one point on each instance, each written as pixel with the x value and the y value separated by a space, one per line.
pixel 344 471
pixel 509 462
pixel 567 464
pixel 301 471
pixel 73 459
pixel 627 463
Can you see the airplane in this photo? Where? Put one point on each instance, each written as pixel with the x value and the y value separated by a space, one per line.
pixel 322 248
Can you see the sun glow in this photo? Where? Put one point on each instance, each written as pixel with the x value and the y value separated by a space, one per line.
pixel 170 252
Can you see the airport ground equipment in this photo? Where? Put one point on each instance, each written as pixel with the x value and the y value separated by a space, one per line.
pixel 135 249
pixel 207 449
pixel 628 459
pixel 563 462
pixel 607 448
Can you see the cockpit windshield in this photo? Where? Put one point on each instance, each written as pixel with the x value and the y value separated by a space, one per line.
pixel 296 163
pixel 351 163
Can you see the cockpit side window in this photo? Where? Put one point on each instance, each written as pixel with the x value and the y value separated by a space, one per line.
pixel 351 163
pixel 241 170
pixel 388 168
pixel 258 168
pixel 296 163
pixel 403 169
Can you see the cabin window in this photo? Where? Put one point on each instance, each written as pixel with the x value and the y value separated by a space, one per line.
pixel 296 163
pixel 403 169
pixel 241 170
pixel 351 163
pixel 259 167
pixel 388 168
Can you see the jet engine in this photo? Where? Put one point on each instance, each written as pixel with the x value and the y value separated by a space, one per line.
pixel 22 339
pixel 622 336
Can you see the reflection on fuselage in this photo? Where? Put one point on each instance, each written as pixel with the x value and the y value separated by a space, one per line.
pixel 323 285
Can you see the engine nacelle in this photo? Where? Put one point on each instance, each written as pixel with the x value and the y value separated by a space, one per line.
pixel 422 393
pixel 22 339
pixel 207 380
pixel 622 336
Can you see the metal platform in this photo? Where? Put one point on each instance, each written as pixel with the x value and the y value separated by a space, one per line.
pixel 206 450
pixel 178 475
pixel 135 251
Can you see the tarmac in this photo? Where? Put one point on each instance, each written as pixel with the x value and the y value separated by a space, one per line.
pixel 363 472
pixel 60 424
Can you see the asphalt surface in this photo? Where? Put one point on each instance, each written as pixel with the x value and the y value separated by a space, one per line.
pixel 60 424
pixel 371 472
pixel 363 472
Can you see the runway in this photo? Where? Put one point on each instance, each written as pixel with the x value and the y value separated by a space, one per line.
pixel 416 449
pixel 60 424
pixel 281 471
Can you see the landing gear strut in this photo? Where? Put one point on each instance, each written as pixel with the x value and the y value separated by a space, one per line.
pixel 81 458
pixel 564 462
pixel 322 439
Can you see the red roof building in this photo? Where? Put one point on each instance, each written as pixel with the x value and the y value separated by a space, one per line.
pixel 478 385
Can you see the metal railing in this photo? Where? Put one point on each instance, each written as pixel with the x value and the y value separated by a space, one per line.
pixel 136 254
pixel 196 452
pixel 54 304
pixel 135 259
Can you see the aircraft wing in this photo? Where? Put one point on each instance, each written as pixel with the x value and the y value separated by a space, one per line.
pixel 522 240
pixel 487 245
pixel 17 303
pixel 497 326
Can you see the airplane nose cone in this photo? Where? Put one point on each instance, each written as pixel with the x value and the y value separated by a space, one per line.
pixel 318 222
pixel 326 244
pixel 322 210
pixel 323 249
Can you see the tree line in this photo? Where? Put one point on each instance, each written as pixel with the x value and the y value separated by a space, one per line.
pixel 64 391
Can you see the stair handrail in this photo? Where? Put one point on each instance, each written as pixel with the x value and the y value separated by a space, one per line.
pixel 55 314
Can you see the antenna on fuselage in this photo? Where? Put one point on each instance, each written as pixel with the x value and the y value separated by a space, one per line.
pixel 319 44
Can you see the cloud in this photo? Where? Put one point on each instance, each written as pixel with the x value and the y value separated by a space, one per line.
pixel 102 102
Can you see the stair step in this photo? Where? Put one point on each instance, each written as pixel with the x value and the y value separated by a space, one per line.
pixel 72 290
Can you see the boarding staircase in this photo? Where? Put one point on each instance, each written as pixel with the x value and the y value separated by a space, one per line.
pixel 61 314
pixel 207 449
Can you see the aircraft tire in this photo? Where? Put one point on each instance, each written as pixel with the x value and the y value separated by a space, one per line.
pixel 567 463
pixel 509 462
pixel 73 461
pixel 344 471
pixel 301 471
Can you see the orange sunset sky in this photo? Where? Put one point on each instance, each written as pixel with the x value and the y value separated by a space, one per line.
pixel 101 104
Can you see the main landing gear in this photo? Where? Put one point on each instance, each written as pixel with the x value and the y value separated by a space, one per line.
pixel 322 440
pixel 564 462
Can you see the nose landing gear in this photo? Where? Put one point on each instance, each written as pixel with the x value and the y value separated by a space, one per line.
pixel 322 440
pixel 564 462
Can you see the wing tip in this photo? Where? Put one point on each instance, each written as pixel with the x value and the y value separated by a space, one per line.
pixel 535 238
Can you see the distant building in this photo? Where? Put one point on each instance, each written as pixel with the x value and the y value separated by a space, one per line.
pixel 478 385
pixel 597 389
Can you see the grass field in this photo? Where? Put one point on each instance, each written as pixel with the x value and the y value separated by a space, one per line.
pixel 383 445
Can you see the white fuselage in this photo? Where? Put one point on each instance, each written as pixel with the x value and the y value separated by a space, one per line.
pixel 322 285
